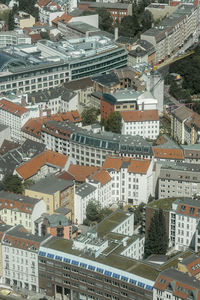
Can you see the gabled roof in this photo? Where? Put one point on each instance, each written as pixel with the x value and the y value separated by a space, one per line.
pixel 140 115
pixel 133 165
pixel 31 167
pixel 168 153
pixel 42 3
pixel 12 108
pixel 192 264
pixel 64 17
pixel 101 176
pixel 81 172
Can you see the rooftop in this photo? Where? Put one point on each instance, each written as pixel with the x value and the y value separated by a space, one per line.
pixel 50 185
pixel 84 190
pixel 164 204
pixel 81 172
pixel 168 153
pixel 140 115
pixel 12 108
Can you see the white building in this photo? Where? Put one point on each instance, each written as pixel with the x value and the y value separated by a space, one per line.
pixel 14 116
pixel 18 209
pixel 97 188
pixel 132 179
pixel 141 122
pixel 183 224
pixel 17 37
pixel 19 254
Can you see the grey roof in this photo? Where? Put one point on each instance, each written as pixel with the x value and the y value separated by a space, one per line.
pixel 79 84
pixel 126 40
pixel 189 202
pixel 6 59
pixel 182 113
pixel 18 197
pixel 170 144
pixel 63 210
pixel 85 189
pixel 58 219
pixel 97 94
pixel 52 93
pixel 82 27
pixel 14 157
pixel 138 52
pixel 107 80
pixel 190 259
pixel 50 185
pixel 25 235
pixel 181 277
pixel 107 5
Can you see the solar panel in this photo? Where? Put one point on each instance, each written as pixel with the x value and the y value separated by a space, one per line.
pixel 42 253
pixel 67 260
pixel 100 270
pixel 58 258
pixel 74 262
pixel 133 281
pixel 124 278
pixel 83 265
pixel 50 255
pixel 141 284
pixel 116 275
pixel 108 273
pixel 91 268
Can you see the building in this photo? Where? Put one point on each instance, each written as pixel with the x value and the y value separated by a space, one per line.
pixel 191 153
pixel 170 153
pixel 66 62
pixel 173 32
pixel 179 180
pixel 143 51
pixel 116 10
pixel 54 191
pixel 24 19
pixel 185 125
pixel 14 116
pixel 106 83
pixel 8 38
pixel 4 133
pixel 54 100
pixel 145 123
pixel 190 265
pixel 132 179
pixel 126 100
pixel 19 252
pixel 46 163
pixel 18 209
pixel 87 267
pixel 184 224
pixel 76 29
pixel 32 128
pixel 90 149
pixel 80 173
pixel 172 284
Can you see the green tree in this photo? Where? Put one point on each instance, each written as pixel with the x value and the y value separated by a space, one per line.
pixel 89 115
pixel 11 21
pixel 147 20
pixel 156 241
pixel 12 183
pixel 138 214
pixel 129 26
pixel 93 211
pixel 44 35
pixel 105 19
pixel 114 122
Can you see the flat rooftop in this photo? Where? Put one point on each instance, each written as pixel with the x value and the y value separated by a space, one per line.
pixel 164 204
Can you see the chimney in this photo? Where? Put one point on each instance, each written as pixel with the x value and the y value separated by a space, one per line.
pixel 116 33
pixel 23 102
pixel 33 100
pixel 142 106
pixel 48 112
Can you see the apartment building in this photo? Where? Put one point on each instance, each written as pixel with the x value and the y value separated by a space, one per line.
pixel 54 100
pixel 185 126
pixel 18 209
pixel 90 148
pixel 178 180
pixel 172 284
pixel 145 123
pixel 19 252
pixel 32 128
pixel 54 191
pixel 190 265
pixel 126 100
pixel 184 223
pixel 14 116
pixel 85 268
pixel 97 188
pixel 173 31
pixel 116 10
pixel 66 62
pixel 191 153
pixel 132 179
pixel 8 38
pixel 42 165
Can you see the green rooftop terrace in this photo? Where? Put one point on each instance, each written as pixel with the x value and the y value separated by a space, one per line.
pixel 164 204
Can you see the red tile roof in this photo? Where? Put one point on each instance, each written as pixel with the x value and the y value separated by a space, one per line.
pixel 30 168
pixel 35 37
pixel 135 165
pixel 64 17
pixel 12 108
pixel 193 267
pixel 101 176
pixel 81 172
pixel 140 116
pixel 66 176
pixel 34 126
pixel 42 3
pixel 189 209
pixel 168 153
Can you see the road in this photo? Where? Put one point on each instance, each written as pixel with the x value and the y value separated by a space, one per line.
pixel 173 59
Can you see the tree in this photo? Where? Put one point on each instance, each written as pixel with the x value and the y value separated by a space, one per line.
pixel 93 211
pixel 114 122
pixel 11 21
pixel 89 115
pixel 12 183
pixel 147 20
pixel 105 19
pixel 156 241
pixel 129 26
pixel 138 214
